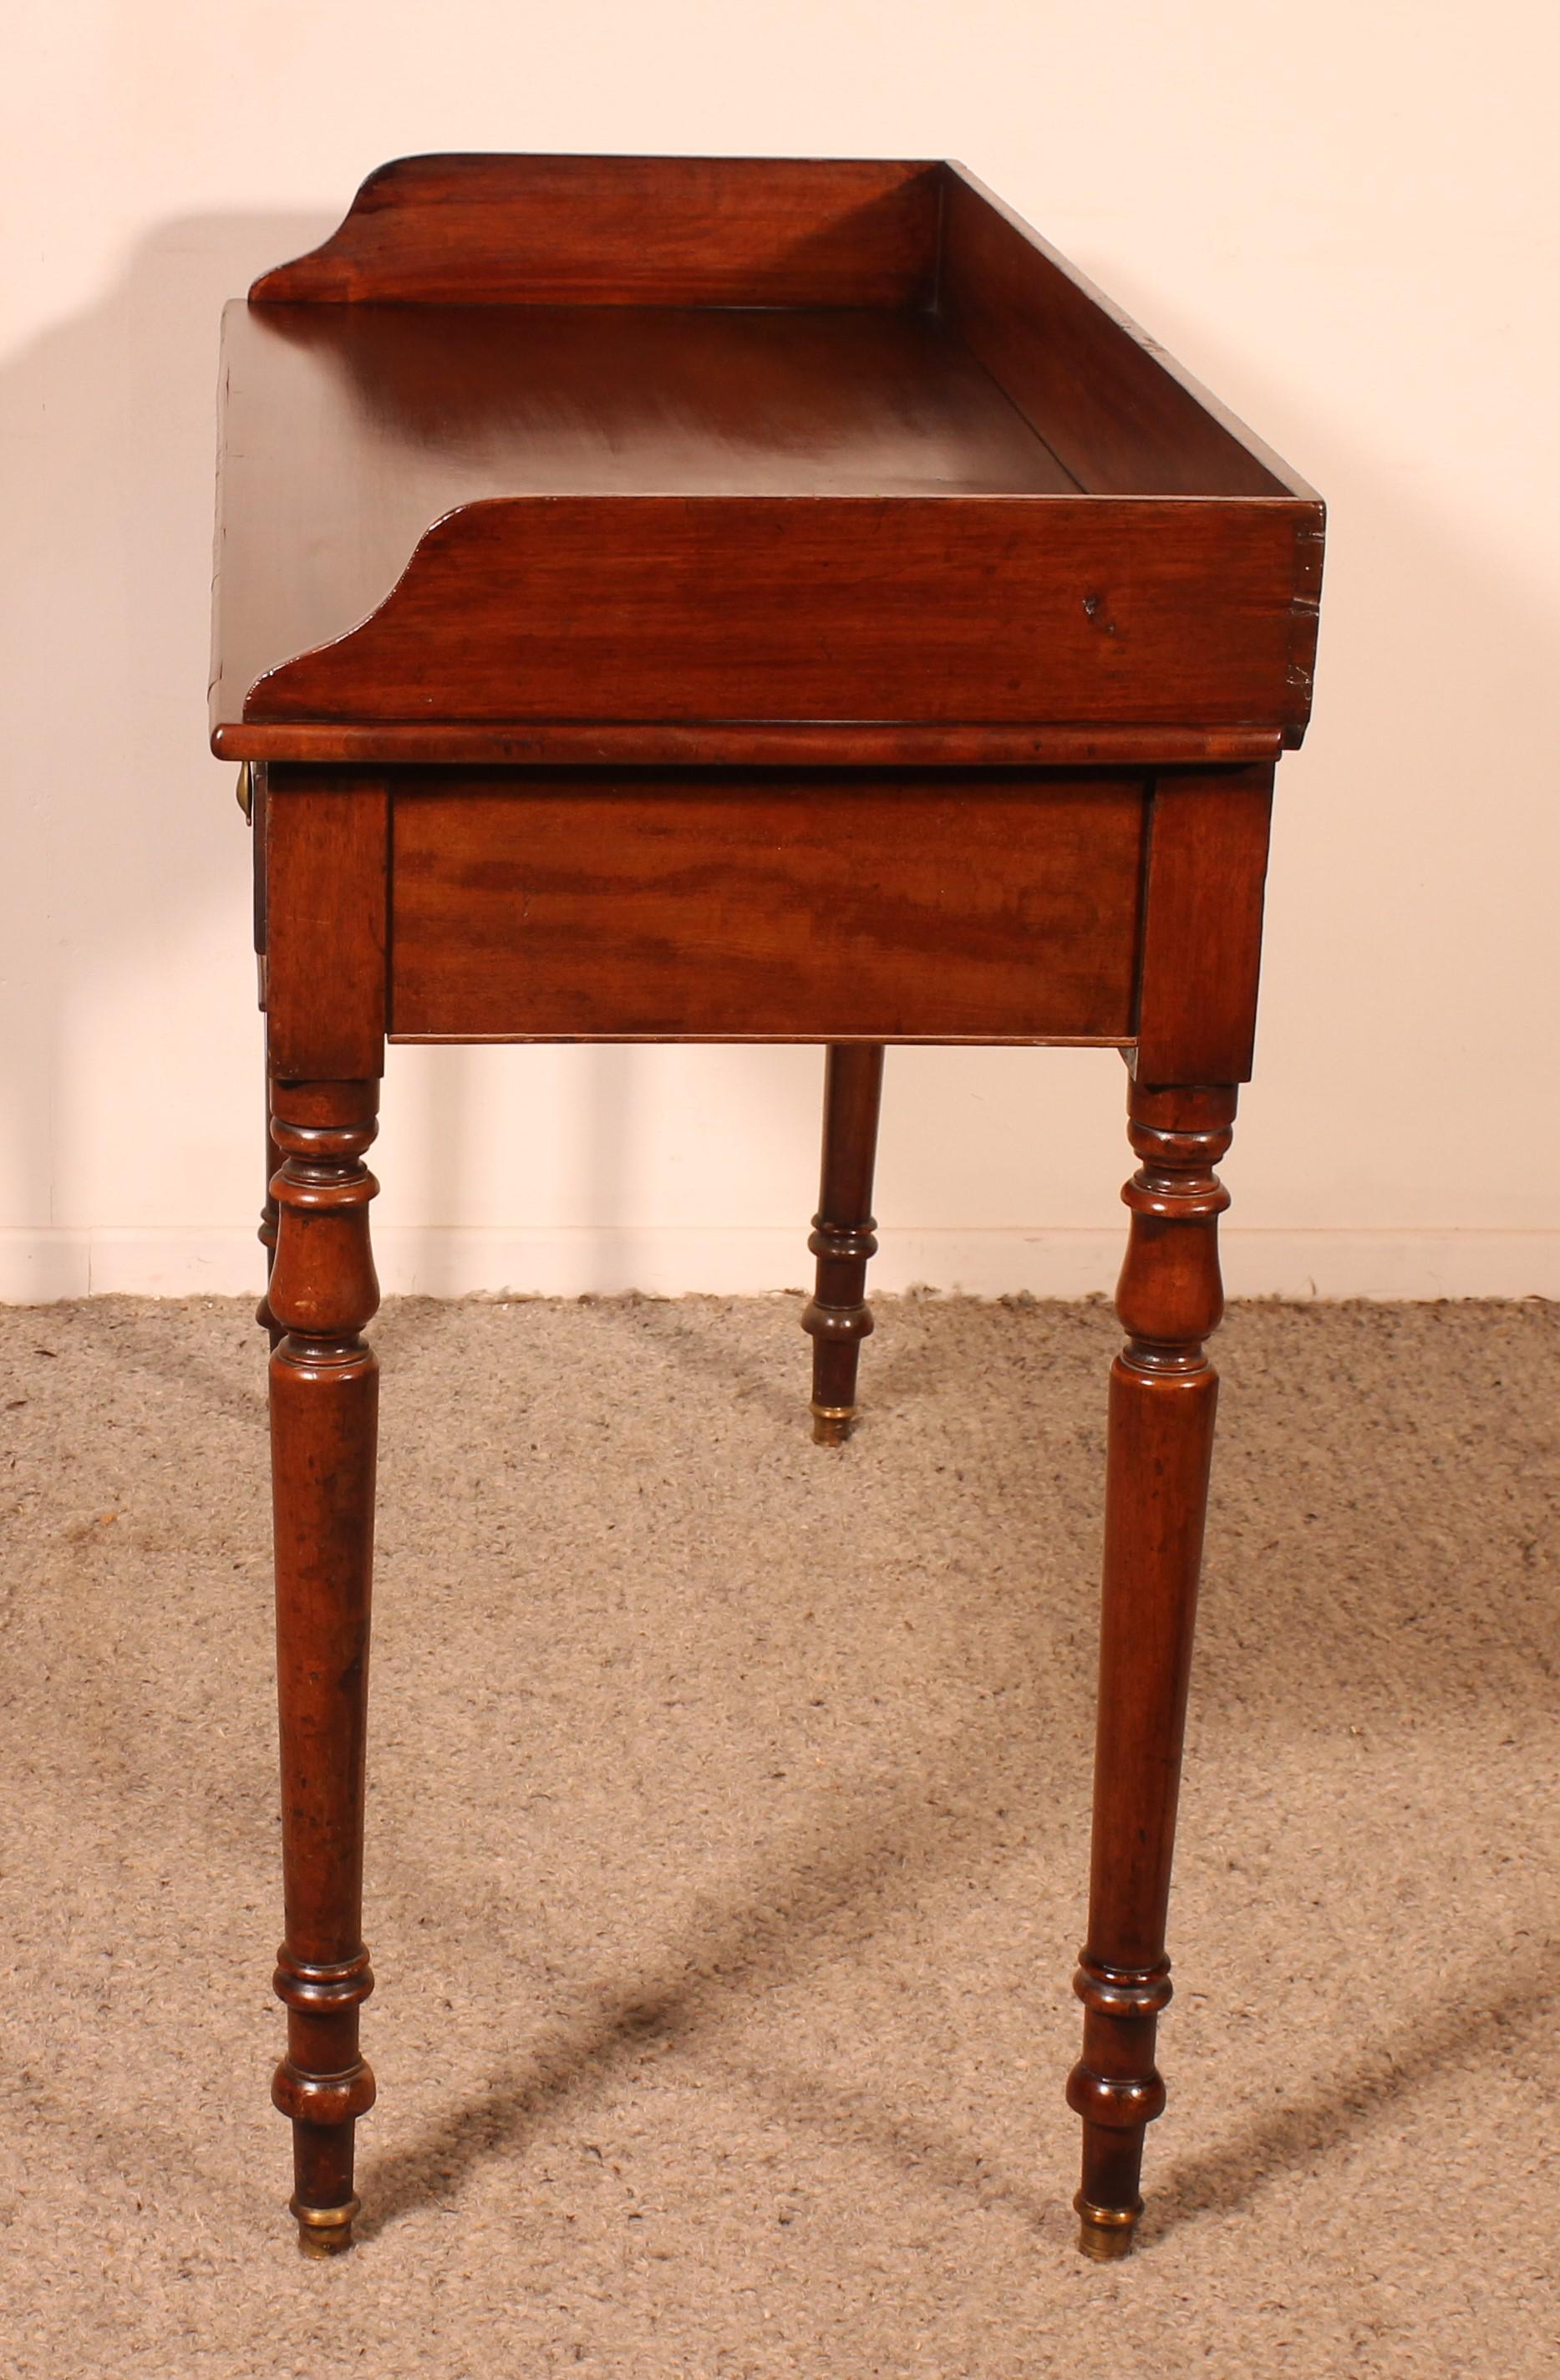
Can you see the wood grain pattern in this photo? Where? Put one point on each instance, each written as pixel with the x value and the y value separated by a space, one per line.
pixel 704 744
pixel 1122 415
pixel 744 600
pixel 428 406
pixel 327 867
pixel 677 231
pixel 349 430
pixel 698 609
pixel 324 1405
pixel 1163 1394
pixel 1202 951
pixel 814 908
pixel 647 411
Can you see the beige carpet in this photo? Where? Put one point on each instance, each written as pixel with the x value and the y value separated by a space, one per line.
pixel 728 1844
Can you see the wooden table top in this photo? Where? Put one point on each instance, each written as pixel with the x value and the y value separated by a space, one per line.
pixel 977 501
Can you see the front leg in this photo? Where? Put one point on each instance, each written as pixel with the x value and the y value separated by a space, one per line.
pixel 1163 1391
pixel 324 1397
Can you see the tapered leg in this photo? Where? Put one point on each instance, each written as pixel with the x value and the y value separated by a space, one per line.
pixel 323 1415
pixel 1163 1390
pixel 838 1317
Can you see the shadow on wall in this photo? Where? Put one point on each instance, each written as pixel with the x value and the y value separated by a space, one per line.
pixel 119 831
pixel 121 842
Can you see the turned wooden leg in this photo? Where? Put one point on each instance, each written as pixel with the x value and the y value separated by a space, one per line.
pixel 324 1394
pixel 837 1316
pixel 267 1232
pixel 1163 1390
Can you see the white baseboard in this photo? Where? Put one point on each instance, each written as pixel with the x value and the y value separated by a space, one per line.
pixel 39 1265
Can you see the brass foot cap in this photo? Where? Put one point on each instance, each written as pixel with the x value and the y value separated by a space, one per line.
pixel 1105 2232
pixel 831 1424
pixel 325 2230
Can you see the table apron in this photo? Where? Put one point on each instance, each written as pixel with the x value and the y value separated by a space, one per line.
pixel 812 906
pixel 1104 906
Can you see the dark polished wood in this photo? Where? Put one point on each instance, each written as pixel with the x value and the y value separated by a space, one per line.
pixel 1163 1391
pixel 796 743
pixel 825 905
pixel 1207 867
pixel 1073 365
pixel 327 847
pixel 702 599
pixel 324 1401
pixel 837 1316
pixel 1067 609
pixel 619 409
pixel 629 231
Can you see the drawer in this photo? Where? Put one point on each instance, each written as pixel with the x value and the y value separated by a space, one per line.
pixel 931 905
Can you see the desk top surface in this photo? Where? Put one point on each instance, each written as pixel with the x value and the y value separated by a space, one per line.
pixel 881 461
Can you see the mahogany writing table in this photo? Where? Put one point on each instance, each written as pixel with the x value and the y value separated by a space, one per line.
pixel 733 599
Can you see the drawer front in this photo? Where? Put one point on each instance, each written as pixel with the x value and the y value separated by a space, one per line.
pixel 752 906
